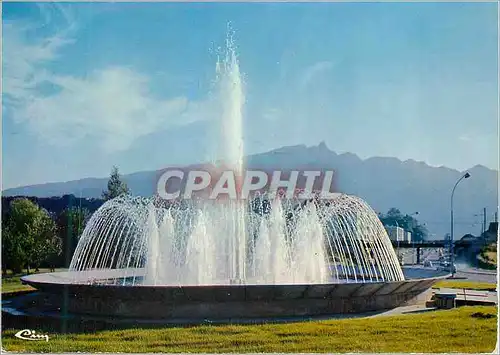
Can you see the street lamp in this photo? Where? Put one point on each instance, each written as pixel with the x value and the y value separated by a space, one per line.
pixel 397 239
pixel 413 251
pixel 464 176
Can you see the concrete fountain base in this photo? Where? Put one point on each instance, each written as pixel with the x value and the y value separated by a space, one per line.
pixel 86 297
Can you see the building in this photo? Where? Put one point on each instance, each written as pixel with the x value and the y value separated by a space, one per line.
pixel 396 234
pixel 408 237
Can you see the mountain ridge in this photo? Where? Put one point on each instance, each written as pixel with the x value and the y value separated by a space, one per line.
pixel 384 182
pixel 9 191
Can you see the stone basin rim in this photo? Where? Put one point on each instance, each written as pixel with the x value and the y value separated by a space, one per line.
pixel 62 278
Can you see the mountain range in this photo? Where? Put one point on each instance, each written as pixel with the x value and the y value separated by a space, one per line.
pixel 383 182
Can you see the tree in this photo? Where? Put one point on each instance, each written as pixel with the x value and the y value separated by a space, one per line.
pixel 394 213
pixel 70 225
pixel 27 230
pixel 13 255
pixel 419 232
pixel 48 245
pixel 392 218
pixel 116 187
pixel 18 234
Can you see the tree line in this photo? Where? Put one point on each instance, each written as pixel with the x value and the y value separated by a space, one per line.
pixel 34 236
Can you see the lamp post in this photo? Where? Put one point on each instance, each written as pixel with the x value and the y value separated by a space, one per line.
pixel 413 238
pixel 464 176
pixel 397 240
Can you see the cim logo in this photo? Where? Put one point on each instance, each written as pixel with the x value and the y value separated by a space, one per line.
pixel 223 183
pixel 27 334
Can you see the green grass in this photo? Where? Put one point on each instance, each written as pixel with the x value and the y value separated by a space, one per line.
pixel 487 258
pixel 491 256
pixel 466 329
pixel 12 282
pixel 472 285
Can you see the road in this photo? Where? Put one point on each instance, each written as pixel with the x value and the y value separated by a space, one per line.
pixel 475 274
pixel 463 270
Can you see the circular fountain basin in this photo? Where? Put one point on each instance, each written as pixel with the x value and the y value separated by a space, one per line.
pixel 86 293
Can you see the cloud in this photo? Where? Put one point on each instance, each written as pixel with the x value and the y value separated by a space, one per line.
pixel 313 71
pixel 464 138
pixel 273 114
pixel 23 62
pixel 112 106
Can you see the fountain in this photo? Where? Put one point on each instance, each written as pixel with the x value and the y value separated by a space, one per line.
pixel 150 259
pixel 193 246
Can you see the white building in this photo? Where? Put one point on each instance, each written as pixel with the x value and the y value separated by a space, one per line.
pixel 408 237
pixel 396 234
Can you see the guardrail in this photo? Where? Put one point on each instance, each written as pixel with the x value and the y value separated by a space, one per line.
pixel 425 244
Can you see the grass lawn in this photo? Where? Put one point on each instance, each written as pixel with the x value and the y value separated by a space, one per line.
pixel 465 329
pixel 12 282
pixel 473 285
pixel 491 256
pixel 488 256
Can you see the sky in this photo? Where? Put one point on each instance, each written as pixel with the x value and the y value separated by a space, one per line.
pixel 90 85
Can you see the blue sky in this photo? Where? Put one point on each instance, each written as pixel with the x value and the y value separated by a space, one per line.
pixel 87 86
